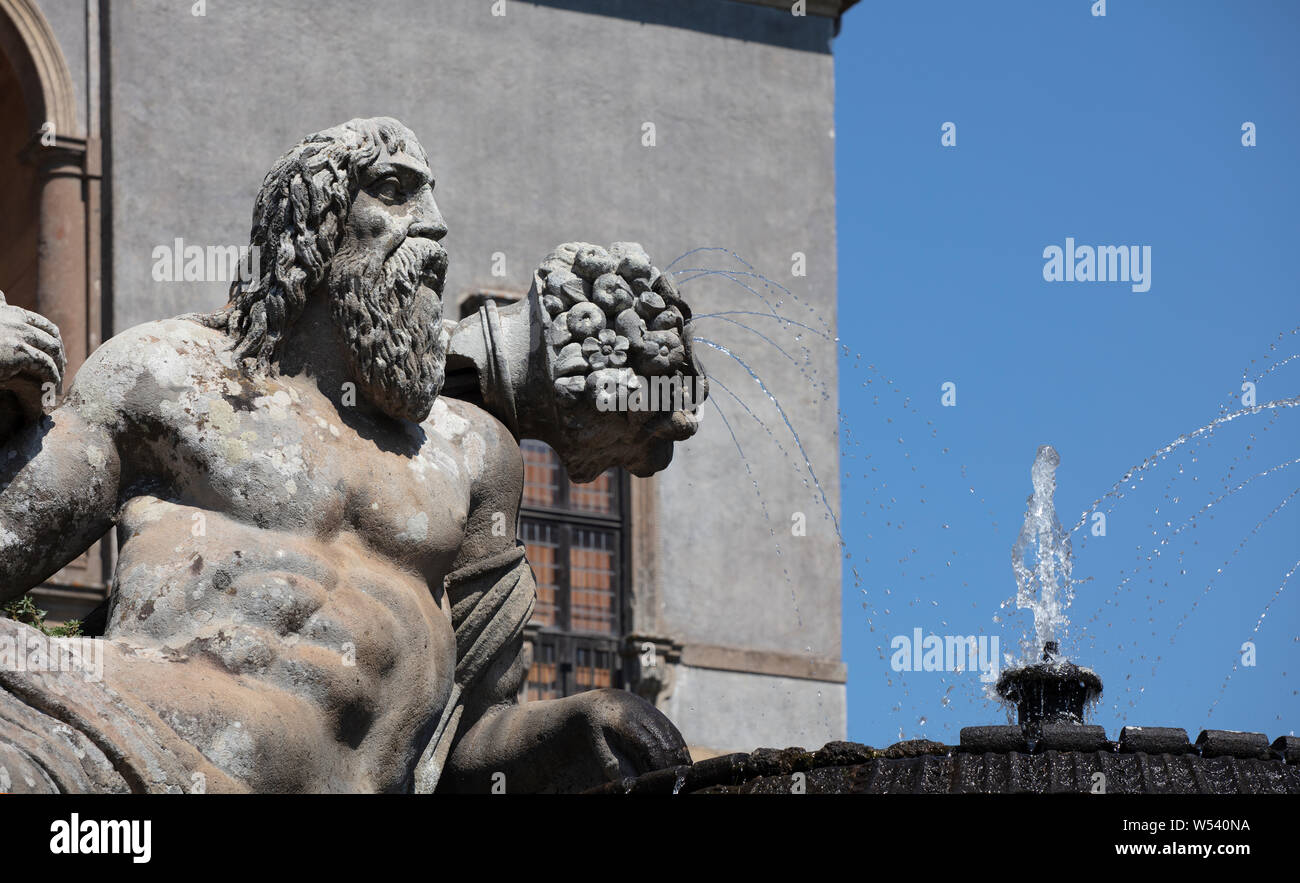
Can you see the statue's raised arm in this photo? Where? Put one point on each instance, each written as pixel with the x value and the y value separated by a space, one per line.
pixel 596 361
pixel 58 472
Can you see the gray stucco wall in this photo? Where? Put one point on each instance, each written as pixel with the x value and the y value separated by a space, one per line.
pixel 534 124
pixel 725 710
pixel 67 19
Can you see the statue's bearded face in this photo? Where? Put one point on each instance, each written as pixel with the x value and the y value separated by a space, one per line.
pixel 385 286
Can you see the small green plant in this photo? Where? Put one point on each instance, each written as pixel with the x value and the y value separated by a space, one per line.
pixel 24 610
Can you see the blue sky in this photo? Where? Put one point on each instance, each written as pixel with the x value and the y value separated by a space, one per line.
pixel 1122 130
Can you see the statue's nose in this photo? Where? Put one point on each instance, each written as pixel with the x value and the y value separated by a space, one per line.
pixel 428 221
pixel 430 228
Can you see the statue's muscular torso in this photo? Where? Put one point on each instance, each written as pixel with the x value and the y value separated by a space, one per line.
pixel 278 596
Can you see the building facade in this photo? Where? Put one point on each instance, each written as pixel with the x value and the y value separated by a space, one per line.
pixel 133 130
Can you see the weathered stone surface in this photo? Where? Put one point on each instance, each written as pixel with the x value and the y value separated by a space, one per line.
pixel 915 748
pixel 844 754
pixel 1287 748
pixel 773 762
pixel 931 768
pixel 1154 740
pixel 665 781
pixel 1229 743
pixel 993 738
pixel 310 594
pixel 727 769
pixel 1058 736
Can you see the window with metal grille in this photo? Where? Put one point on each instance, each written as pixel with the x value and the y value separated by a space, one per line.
pixel 574 536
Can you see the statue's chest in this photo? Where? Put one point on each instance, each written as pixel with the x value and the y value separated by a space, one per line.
pixel 404 492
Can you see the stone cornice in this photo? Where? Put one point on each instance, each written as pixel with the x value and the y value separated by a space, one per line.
pixel 764 662
pixel 824 8
pixel 62 154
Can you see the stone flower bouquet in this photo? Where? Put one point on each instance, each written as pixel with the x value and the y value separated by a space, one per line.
pixel 596 361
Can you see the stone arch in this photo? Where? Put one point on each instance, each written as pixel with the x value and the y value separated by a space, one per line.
pixel 19 197
pixel 32 50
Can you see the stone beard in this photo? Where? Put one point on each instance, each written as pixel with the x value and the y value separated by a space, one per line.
pixel 389 316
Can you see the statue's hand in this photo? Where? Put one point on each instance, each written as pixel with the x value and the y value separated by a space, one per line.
pixel 565 745
pixel 31 363
pixel 626 735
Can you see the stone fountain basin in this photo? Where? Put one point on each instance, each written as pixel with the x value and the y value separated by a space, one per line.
pixel 1054 691
pixel 1144 760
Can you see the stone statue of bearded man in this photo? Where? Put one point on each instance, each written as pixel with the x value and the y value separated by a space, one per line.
pixel 310 594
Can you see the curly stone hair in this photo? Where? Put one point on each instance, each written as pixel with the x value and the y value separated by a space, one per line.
pixel 298 222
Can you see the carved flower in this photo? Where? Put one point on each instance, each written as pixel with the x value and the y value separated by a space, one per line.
pixel 592 261
pixel 586 320
pixel 661 352
pixel 607 386
pixel 608 350
pixel 612 294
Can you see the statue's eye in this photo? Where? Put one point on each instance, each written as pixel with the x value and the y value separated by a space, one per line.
pixel 388 189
